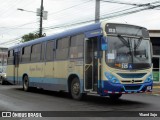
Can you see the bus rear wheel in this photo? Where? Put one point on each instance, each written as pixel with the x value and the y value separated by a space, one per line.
pixel 25 83
pixel 76 89
pixel 115 96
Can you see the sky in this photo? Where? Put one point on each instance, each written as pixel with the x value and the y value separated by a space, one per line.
pixel 63 13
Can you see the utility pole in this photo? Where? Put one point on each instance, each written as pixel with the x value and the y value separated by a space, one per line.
pixel 41 19
pixel 97 11
pixel 43 16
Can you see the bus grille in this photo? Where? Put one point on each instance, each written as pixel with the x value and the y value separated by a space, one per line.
pixel 131 75
pixel 130 81
pixel 137 87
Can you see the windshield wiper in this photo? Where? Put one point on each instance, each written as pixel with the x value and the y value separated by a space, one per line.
pixel 138 43
pixel 131 52
pixel 123 41
pixel 127 44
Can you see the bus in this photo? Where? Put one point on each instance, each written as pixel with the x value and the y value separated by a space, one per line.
pixel 109 59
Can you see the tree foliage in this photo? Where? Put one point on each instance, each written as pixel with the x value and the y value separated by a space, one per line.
pixel 29 37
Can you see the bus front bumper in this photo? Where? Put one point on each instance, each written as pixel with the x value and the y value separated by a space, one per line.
pixel 110 88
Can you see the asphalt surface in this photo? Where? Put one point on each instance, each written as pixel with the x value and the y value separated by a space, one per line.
pixel 13 98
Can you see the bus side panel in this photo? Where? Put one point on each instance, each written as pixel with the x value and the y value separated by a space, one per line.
pixel 57 78
pixel 36 74
pixel 10 73
pixel 60 75
pixel 51 75
pixel 34 71
pixel 23 69
pixel 76 67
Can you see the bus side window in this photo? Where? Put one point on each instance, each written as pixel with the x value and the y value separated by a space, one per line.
pixel 8 53
pixel 62 48
pixel 43 51
pixel 10 57
pixel 36 52
pixel 49 50
pixel 76 49
pixel 26 54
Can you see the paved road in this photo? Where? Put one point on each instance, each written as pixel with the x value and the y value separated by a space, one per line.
pixel 13 98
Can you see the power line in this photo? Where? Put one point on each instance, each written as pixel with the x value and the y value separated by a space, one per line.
pixel 124 3
pixel 108 16
pixel 69 7
pixel 117 15
pixel 120 13
pixel 17 27
pixel 133 4
pixel 14 40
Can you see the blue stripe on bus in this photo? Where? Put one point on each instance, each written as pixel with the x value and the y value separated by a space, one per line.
pixel 93 33
pixel 46 83
pixel 43 80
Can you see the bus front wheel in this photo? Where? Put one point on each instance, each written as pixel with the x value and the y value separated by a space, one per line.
pixel 25 83
pixel 76 89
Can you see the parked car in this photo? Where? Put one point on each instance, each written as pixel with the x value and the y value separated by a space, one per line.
pixel 3 79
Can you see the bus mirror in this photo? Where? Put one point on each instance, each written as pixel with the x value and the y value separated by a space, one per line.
pixel 104 43
pixel 104 46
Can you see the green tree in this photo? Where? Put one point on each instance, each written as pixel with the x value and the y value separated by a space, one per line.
pixel 29 37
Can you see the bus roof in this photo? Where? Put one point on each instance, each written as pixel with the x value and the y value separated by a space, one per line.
pixel 60 35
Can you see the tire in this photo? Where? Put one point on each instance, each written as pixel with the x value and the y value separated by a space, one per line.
pixel 75 89
pixel 115 96
pixel 26 83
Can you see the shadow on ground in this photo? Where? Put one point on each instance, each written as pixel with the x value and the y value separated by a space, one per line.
pixel 97 100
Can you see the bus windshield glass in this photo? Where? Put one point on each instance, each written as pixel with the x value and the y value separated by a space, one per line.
pixel 128 52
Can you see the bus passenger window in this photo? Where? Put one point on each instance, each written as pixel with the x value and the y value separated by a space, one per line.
pixel 76 49
pixel 26 54
pixel 8 53
pixel 36 53
pixel 49 50
pixel 62 48
pixel 10 57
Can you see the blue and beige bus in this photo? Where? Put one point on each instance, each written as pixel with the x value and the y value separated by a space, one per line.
pixel 108 59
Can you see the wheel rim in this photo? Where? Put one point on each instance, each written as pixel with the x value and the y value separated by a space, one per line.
pixel 75 88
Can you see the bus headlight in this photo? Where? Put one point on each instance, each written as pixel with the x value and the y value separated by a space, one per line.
pixel 149 79
pixel 111 78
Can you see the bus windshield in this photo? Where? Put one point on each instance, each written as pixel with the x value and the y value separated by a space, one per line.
pixel 128 50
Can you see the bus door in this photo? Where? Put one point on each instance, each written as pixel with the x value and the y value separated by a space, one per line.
pixel 92 68
pixel 16 66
